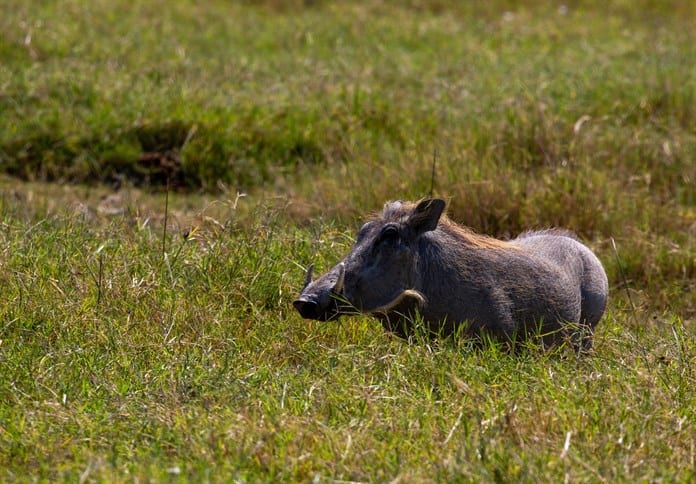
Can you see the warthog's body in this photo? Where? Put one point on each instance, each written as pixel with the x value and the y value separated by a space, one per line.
pixel 413 258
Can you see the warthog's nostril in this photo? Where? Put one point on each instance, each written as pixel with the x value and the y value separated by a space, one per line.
pixel 307 308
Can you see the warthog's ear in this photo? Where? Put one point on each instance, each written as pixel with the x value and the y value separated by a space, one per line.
pixel 426 215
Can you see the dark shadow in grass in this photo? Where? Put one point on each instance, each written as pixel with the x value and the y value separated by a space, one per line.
pixel 175 155
pixel 147 155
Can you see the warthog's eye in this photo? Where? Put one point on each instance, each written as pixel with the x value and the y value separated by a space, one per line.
pixel 389 234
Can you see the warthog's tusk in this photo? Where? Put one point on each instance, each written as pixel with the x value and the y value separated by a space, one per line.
pixel 408 293
pixel 341 278
pixel 308 276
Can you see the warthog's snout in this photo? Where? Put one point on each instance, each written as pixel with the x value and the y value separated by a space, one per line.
pixel 307 307
pixel 318 298
pixel 310 307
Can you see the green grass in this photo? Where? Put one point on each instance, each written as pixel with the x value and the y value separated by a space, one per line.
pixel 125 355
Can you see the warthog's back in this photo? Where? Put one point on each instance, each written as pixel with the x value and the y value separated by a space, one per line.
pixel 544 282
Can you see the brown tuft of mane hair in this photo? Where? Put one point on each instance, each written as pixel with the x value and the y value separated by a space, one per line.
pixel 472 238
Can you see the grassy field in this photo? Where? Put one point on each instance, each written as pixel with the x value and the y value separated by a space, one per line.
pixel 170 168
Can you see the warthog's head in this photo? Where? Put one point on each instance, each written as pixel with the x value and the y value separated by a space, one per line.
pixel 380 273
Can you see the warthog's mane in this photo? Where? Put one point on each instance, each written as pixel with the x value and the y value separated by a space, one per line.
pixel 472 238
pixel 400 211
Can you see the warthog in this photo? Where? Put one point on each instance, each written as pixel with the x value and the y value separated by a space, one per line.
pixel 413 260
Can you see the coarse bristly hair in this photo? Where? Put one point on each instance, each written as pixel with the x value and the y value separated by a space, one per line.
pixel 399 211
